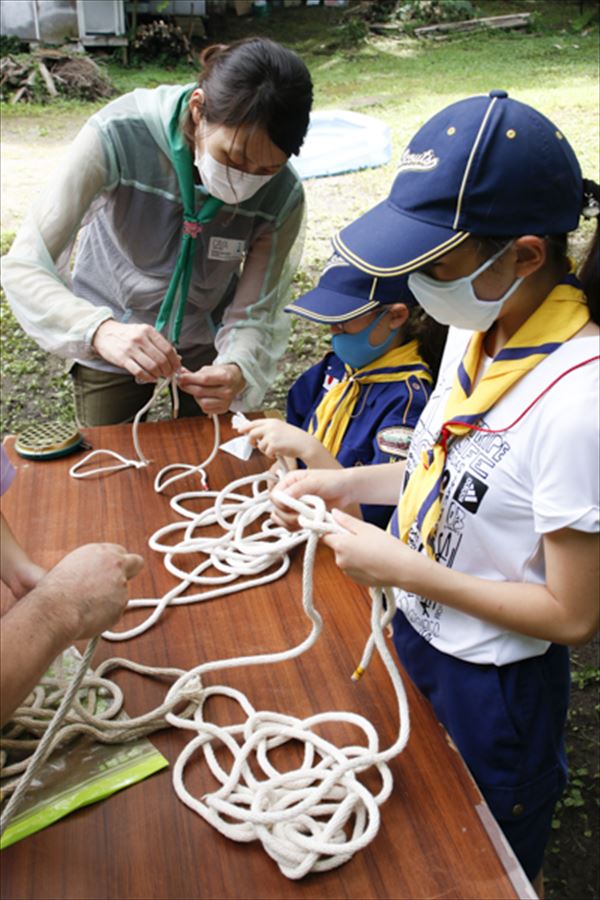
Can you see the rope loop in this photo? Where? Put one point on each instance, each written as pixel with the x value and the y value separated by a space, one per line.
pixel 311 817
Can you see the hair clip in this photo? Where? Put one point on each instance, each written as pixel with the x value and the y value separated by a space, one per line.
pixel 591 206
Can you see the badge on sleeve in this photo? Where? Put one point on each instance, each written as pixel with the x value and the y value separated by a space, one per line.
pixel 226 249
pixel 329 381
pixel 395 441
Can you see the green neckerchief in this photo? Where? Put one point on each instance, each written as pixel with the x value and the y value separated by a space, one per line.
pixel 192 225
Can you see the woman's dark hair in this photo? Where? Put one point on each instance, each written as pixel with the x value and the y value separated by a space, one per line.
pixel 557 244
pixel 430 335
pixel 259 83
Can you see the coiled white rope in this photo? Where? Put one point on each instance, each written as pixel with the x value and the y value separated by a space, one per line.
pixel 77 714
pixel 44 745
pixel 314 817
pixel 259 558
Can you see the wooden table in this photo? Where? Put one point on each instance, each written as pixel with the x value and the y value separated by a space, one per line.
pixel 437 837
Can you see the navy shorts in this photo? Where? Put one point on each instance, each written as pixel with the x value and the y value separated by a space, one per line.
pixel 508 724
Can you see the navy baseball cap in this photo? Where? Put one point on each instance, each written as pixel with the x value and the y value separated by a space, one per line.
pixel 344 292
pixel 488 165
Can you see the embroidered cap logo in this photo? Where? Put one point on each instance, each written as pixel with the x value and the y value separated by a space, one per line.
pixel 418 162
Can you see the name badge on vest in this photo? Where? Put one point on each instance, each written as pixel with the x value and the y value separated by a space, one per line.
pixel 395 441
pixel 226 249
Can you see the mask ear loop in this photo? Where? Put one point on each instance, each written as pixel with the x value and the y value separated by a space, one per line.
pixel 393 331
pixel 469 279
pixel 486 265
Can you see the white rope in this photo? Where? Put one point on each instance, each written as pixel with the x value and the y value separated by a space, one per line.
pixel 77 714
pixel 80 469
pixel 45 744
pixel 187 469
pixel 311 818
pixel 301 817
pixel 124 463
pixel 242 560
pixel 316 816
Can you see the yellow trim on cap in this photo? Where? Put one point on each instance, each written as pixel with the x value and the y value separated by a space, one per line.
pixel 467 171
pixel 317 317
pixel 410 266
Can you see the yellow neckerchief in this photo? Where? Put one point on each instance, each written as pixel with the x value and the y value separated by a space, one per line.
pixel 333 414
pixel 563 313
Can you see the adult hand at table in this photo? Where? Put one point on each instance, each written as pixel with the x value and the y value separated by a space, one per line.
pixel 17 570
pixel 139 349
pixel 86 592
pixel 213 387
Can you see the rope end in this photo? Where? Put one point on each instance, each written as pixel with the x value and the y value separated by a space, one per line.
pixel 358 673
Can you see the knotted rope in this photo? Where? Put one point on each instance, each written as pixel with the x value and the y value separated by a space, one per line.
pixel 80 468
pixel 303 816
pixel 259 558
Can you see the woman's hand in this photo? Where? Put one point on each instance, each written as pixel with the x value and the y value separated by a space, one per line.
pixel 213 387
pixel 275 438
pixel 139 349
pixel 366 553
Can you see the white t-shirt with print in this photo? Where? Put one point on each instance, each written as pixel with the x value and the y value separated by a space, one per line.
pixel 505 491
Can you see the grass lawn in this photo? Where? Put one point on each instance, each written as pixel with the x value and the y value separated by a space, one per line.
pixel 552 66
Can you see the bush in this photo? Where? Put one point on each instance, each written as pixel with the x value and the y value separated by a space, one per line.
pixel 432 12
pixel 161 42
pixel 10 44
pixel 350 33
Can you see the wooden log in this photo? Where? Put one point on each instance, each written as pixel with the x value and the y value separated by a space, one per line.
pixel 386 28
pixel 50 86
pixel 516 20
pixel 22 90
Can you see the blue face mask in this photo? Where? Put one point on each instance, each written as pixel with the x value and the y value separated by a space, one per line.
pixel 355 349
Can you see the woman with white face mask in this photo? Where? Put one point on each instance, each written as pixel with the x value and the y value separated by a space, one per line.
pixel 492 554
pixel 190 233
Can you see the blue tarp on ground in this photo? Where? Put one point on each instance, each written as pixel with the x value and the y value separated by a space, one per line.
pixel 342 141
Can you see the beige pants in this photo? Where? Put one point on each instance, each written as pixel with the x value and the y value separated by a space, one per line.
pixel 105 398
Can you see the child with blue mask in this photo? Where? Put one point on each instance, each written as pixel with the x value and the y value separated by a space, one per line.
pixel 360 403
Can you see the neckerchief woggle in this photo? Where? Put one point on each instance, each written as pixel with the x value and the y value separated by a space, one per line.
pixel 334 413
pixel 170 313
pixel 561 315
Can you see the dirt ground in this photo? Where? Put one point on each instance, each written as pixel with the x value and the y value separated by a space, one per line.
pixel 29 153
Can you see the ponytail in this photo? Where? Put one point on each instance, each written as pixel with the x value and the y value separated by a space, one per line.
pixel 430 336
pixel 589 273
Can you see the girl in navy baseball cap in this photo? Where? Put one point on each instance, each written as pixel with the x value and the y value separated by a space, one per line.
pixel 493 550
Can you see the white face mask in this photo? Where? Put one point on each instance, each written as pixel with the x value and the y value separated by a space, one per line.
pixel 227 184
pixel 455 302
